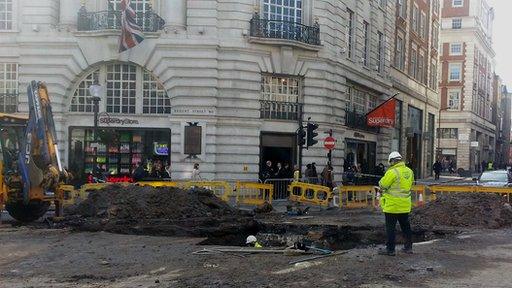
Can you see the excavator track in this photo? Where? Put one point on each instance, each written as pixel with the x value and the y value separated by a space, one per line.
pixel 32 211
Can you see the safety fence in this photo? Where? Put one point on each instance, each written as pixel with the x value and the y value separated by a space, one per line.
pixel 241 193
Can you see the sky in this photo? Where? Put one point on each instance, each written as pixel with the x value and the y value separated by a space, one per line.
pixel 503 39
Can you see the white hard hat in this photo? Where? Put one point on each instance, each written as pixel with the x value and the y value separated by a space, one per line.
pixel 250 239
pixel 394 155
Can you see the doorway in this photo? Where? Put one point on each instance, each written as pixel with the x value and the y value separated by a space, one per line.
pixel 360 154
pixel 278 148
pixel 413 157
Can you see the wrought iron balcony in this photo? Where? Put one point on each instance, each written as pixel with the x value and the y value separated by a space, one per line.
pixel 8 102
pixel 356 120
pixel 149 21
pixel 280 110
pixel 278 29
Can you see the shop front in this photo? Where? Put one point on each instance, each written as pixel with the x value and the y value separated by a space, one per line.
pixel 114 153
pixel 360 156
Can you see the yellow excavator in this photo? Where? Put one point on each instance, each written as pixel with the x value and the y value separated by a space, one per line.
pixel 31 171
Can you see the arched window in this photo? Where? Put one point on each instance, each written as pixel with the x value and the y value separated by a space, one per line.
pixel 127 89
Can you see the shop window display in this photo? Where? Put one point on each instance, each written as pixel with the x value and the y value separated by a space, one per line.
pixel 114 154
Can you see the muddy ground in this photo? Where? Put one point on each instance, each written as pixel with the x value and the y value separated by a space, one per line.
pixel 33 256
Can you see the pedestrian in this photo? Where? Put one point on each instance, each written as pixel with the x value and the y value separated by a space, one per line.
pixel 490 165
pixel 396 202
pixel 296 173
pixel 437 167
pixel 314 173
pixel 288 172
pixel 451 167
pixel 279 171
pixel 139 173
pixel 158 171
pixel 267 171
pixel 327 176
pixel 308 173
pixel 196 176
pixel 484 165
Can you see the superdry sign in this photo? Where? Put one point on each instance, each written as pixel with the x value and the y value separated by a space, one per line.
pixel 383 115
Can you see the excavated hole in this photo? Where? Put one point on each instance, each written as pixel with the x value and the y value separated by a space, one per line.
pixel 331 237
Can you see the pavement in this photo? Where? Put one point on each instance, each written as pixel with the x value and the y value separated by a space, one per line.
pixel 445 179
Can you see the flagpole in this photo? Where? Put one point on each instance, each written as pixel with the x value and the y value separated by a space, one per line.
pixel 392 97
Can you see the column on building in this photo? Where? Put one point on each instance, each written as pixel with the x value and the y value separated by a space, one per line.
pixel 174 13
pixel 68 12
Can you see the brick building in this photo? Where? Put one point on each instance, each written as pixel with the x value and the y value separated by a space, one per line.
pixel 467 129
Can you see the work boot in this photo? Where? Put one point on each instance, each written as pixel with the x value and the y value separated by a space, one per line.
pixel 407 250
pixel 384 251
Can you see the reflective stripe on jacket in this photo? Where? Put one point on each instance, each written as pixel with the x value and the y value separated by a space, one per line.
pixel 396 186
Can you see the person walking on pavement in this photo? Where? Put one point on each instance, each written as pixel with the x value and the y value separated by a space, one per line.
pixel 314 173
pixel 437 169
pixel 196 176
pixel 396 202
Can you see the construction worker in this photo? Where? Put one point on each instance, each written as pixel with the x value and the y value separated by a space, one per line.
pixel 396 202
pixel 252 241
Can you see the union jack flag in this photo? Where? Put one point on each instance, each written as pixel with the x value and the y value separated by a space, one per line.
pixel 131 33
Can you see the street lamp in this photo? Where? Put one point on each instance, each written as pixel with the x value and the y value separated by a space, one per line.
pixel 95 90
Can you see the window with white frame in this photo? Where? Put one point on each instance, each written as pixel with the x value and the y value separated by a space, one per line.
pixel 456 23
pixel 399 52
pixel 350 32
pixel 457 3
pixel 421 67
pixel 401 8
pixel 366 48
pixel 283 10
pixel 139 6
pixel 280 88
pixel 423 26
pixel 455 71
pixel 361 101
pixel 435 35
pixel 454 99
pixel 8 87
pixel 82 99
pixel 6 15
pixel 415 20
pixel 128 89
pixel 380 52
pixel 433 75
pixel 455 48
pixel 413 65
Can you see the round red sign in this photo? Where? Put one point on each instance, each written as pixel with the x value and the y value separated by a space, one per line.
pixel 329 143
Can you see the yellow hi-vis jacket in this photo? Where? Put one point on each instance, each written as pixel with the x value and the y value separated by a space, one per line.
pixel 396 189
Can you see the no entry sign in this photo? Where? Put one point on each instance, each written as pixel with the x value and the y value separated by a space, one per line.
pixel 329 143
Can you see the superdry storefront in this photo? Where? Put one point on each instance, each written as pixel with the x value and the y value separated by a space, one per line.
pixel 115 152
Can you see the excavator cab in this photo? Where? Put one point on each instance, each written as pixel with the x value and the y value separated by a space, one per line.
pixel 10 139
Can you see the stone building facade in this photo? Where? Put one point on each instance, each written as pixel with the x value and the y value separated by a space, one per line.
pixel 220 83
pixel 414 76
pixel 467 130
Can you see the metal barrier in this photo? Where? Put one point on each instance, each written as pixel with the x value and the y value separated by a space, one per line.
pixel 248 193
pixel 357 196
pixel 309 193
pixel 221 189
pixel 280 187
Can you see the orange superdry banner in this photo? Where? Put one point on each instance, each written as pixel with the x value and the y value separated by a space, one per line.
pixel 383 115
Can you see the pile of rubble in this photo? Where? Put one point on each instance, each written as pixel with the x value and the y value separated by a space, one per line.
pixel 471 210
pixel 159 211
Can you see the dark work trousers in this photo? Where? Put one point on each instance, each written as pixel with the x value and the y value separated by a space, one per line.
pixel 403 219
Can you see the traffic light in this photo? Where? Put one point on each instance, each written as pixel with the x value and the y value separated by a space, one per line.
pixel 311 134
pixel 301 137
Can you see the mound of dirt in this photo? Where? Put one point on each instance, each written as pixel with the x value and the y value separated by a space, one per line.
pixel 471 210
pixel 159 211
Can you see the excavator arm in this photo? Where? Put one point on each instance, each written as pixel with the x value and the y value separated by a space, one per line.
pixel 34 182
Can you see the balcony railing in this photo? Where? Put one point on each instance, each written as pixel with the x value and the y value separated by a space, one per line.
pixel 280 110
pixel 356 120
pixel 149 21
pixel 8 102
pixel 278 29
